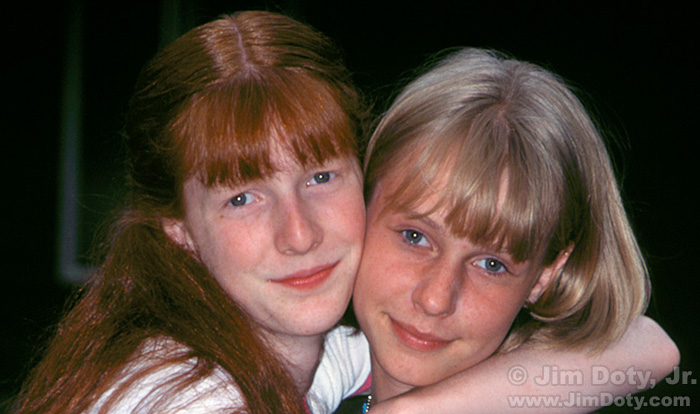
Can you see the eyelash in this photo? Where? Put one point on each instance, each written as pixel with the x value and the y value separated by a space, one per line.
pixel 410 236
pixel 491 261
pixel 326 176
pixel 247 198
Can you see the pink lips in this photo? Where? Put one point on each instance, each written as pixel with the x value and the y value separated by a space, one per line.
pixel 413 338
pixel 307 279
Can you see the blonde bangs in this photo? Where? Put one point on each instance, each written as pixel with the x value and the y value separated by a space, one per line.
pixel 229 133
pixel 464 176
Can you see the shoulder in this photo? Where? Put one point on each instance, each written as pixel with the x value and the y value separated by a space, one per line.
pixel 344 339
pixel 157 380
pixel 346 347
pixel 344 369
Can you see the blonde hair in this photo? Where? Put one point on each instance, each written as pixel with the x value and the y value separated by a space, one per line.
pixel 477 118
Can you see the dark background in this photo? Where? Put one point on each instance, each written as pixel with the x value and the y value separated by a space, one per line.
pixel 636 63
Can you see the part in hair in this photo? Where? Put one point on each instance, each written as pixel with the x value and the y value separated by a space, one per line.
pixel 215 104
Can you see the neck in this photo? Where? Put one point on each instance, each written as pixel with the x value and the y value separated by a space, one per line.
pixel 302 355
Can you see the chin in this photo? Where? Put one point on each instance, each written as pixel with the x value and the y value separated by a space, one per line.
pixel 424 370
pixel 321 319
pixel 416 375
pixel 315 327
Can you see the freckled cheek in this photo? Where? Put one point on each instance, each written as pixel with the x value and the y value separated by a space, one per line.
pixel 369 275
pixel 236 248
pixel 347 215
pixel 491 315
pixel 382 278
pixel 353 224
pixel 370 300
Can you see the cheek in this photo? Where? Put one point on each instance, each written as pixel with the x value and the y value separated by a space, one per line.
pixel 230 249
pixel 382 276
pixel 491 312
pixel 347 215
pixel 363 295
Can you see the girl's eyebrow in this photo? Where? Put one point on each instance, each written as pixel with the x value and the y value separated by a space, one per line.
pixel 425 219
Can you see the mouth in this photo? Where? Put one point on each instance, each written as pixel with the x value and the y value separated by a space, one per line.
pixel 308 279
pixel 414 339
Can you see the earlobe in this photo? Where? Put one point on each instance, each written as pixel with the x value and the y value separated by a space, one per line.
pixel 547 275
pixel 177 232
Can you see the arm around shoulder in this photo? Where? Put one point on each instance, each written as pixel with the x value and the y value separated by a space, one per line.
pixel 507 382
pixel 651 347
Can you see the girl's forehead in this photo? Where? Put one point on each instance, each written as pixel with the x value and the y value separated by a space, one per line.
pixel 444 189
pixel 282 158
pixel 391 197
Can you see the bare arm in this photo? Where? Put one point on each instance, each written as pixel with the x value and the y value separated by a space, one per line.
pixel 512 382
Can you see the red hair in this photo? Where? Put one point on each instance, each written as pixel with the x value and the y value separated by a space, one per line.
pixel 214 103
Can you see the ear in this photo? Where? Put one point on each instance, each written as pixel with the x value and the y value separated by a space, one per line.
pixel 548 274
pixel 177 231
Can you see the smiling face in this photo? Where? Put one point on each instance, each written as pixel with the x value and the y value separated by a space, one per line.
pixel 287 247
pixel 444 303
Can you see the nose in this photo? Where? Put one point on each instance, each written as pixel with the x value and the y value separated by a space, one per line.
pixel 438 291
pixel 297 230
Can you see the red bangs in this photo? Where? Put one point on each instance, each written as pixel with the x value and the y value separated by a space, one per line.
pixel 229 132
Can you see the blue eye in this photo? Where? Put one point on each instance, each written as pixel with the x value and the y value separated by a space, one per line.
pixel 320 178
pixel 491 265
pixel 241 199
pixel 414 237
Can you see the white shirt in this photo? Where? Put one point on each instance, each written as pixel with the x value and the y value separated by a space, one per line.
pixel 344 368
